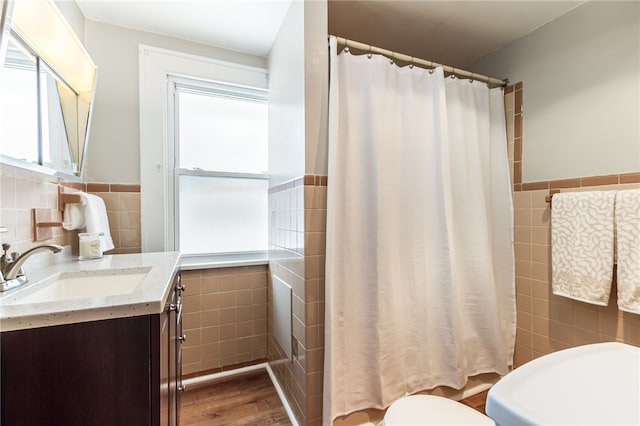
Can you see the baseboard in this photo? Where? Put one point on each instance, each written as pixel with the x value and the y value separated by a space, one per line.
pixel 282 396
pixel 216 376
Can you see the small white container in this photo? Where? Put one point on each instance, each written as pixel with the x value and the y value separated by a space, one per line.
pixel 90 246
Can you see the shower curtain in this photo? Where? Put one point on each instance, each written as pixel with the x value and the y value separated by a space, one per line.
pixel 420 268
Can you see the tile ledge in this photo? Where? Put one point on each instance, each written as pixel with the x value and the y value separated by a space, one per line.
pixel 213 261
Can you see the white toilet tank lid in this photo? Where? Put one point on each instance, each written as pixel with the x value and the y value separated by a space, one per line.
pixel 432 410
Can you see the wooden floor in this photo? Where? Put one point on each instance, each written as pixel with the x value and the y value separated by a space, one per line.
pixel 477 402
pixel 251 399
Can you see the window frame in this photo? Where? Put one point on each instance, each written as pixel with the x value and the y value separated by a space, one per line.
pixel 182 84
pixel 156 171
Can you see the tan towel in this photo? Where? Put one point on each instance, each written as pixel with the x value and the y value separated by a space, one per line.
pixel 582 245
pixel 628 246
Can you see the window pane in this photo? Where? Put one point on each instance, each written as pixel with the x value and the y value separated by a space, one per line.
pixel 222 134
pixel 221 214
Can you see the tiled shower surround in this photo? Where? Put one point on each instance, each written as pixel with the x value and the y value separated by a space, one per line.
pixel 298 215
pixel 547 323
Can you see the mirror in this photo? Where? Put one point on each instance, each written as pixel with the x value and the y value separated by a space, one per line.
pixel 38 112
pixel 46 105
pixel 19 106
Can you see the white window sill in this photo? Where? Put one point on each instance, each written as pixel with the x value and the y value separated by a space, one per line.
pixel 190 262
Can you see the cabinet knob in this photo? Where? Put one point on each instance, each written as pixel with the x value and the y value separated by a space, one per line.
pixel 182 338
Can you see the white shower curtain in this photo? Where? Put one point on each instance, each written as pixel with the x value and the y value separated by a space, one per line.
pixel 420 267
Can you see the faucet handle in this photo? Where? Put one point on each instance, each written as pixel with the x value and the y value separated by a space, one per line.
pixel 5 258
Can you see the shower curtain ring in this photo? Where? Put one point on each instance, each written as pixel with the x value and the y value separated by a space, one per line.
pixel 411 63
pixel 393 57
pixel 369 55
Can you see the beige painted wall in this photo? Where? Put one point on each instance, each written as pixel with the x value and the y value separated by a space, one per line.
pixel 287 99
pixel 316 86
pixel 74 16
pixel 114 147
pixel 298 87
pixel 582 78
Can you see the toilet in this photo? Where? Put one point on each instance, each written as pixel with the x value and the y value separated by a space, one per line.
pixel 432 410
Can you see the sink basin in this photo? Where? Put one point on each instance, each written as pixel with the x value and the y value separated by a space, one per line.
pixel 82 285
pixel 597 384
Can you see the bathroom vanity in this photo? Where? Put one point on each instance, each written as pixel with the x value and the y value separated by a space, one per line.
pixel 97 360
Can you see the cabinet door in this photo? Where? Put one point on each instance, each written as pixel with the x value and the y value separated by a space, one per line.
pixel 165 322
pixel 94 373
pixel 180 342
pixel 173 372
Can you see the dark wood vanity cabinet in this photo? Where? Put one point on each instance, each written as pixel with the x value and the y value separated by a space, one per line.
pixel 121 371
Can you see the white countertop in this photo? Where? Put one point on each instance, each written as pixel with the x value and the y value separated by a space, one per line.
pixel 147 298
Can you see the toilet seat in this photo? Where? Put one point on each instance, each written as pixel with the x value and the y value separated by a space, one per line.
pixel 432 410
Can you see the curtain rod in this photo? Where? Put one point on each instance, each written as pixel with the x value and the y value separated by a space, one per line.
pixel 411 59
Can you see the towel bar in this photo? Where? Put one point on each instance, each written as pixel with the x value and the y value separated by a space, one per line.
pixel 549 197
pixel 42 222
pixel 66 198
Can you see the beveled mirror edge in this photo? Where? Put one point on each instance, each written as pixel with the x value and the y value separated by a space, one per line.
pixel 5 27
pixel 85 142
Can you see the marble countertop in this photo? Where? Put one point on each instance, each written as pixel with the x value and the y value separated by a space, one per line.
pixel 147 298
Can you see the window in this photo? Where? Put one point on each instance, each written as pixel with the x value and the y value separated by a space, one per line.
pixel 221 161
pixel 159 149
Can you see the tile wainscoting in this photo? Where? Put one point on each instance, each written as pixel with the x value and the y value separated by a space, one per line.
pixel 297 211
pixel 23 190
pixel 547 323
pixel 224 318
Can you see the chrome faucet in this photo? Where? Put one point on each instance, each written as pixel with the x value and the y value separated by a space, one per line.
pixel 11 274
